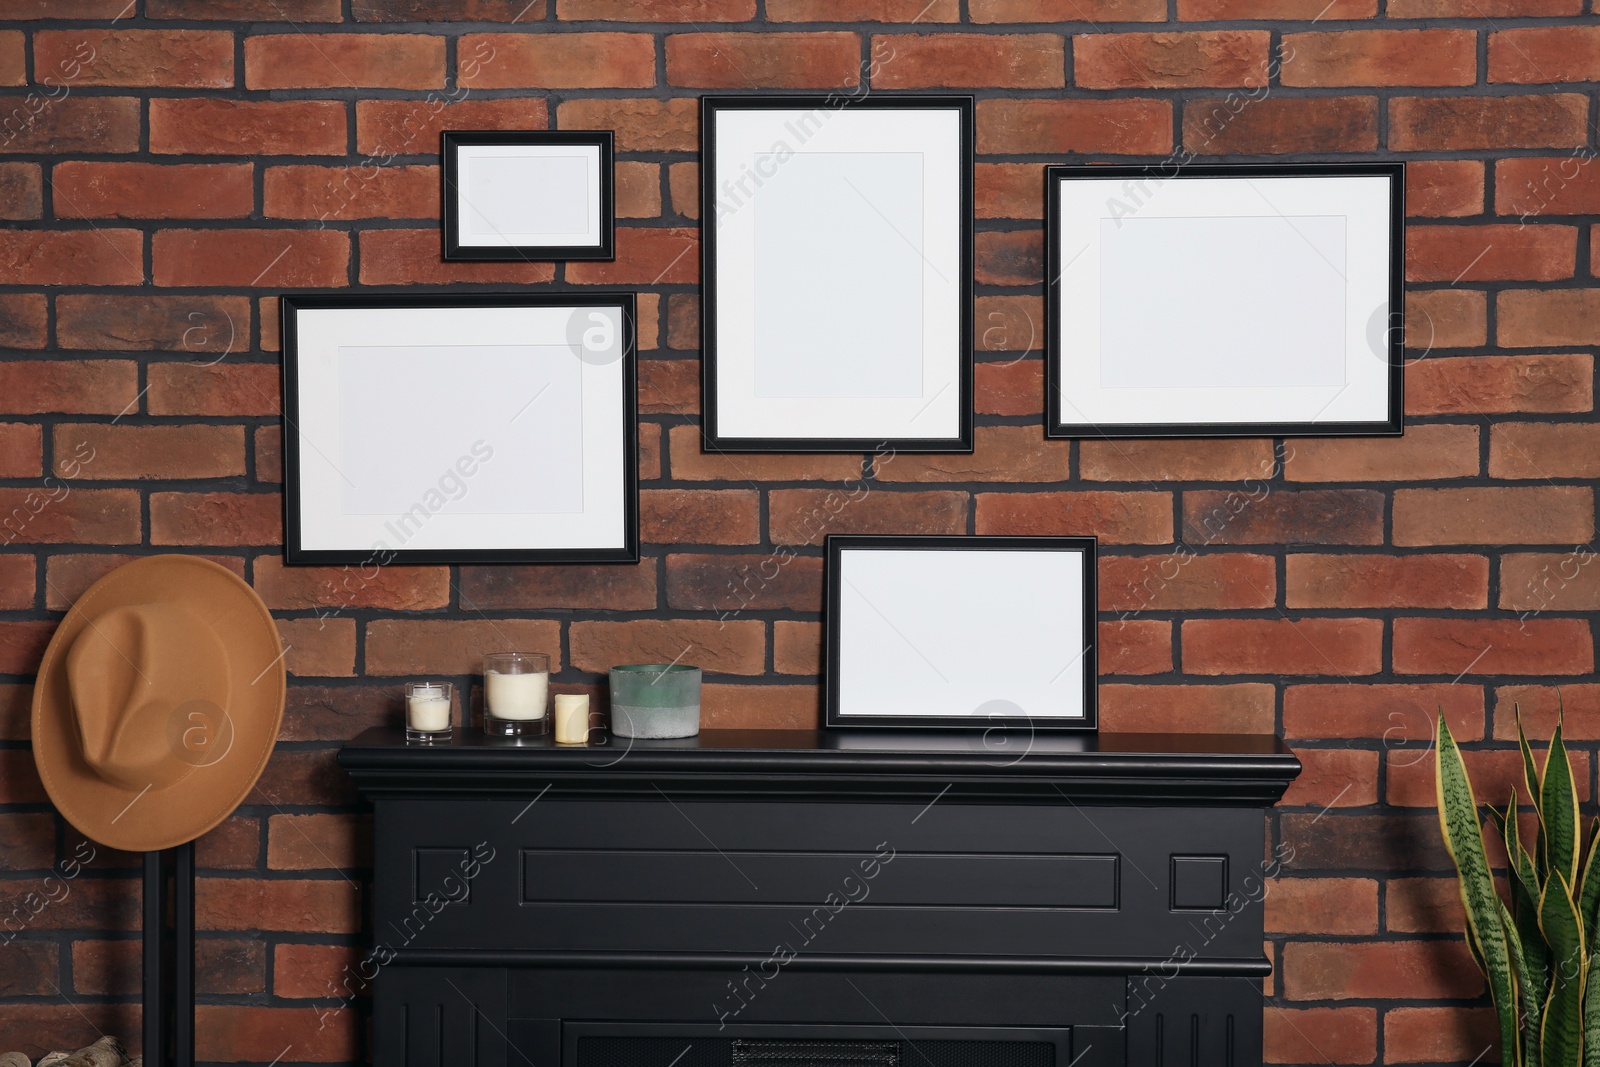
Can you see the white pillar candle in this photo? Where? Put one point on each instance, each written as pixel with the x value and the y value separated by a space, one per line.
pixel 517 696
pixel 428 709
pixel 572 718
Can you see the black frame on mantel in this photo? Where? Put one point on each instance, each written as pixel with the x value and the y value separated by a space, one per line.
pixel 1087 611
pixel 1141 180
pixel 450 144
pixel 296 553
pixel 713 437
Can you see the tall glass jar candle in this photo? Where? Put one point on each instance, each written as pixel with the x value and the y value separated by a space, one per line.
pixel 516 693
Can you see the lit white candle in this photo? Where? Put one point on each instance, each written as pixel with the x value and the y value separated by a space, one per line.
pixel 517 696
pixel 572 718
pixel 428 709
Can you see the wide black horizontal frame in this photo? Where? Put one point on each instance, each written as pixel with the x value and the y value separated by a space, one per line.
pixel 1018 727
pixel 296 554
pixel 452 140
pixel 714 439
pixel 1394 422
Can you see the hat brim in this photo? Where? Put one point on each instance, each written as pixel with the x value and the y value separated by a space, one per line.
pixel 149 819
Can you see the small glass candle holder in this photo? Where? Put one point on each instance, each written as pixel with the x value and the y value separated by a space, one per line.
pixel 516 694
pixel 428 712
pixel 655 700
pixel 572 718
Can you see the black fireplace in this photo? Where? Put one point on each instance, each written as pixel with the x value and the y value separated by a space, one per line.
pixel 812 900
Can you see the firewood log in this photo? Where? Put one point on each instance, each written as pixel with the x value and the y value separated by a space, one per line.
pixel 15 1059
pixel 107 1052
pixel 52 1059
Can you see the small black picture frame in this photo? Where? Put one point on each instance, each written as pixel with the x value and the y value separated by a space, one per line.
pixel 1199 300
pixel 960 633
pixel 568 212
pixel 460 428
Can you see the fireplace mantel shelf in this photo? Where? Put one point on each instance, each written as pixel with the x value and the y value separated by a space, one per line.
pixel 1219 768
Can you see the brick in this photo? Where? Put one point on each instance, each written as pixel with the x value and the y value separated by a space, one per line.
pixel 319 842
pixel 1337 842
pixel 67 1024
pixel 1540 55
pixel 690 464
pixel 107 968
pixel 1116 518
pixel 412 257
pixel 329 906
pixel 1561 185
pixel 1010 257
pixel 318 648
pixel 594 587
pixel 149 323
pixel 696 11
pixel 1012 388
pixel 247 10
pixel 1496 515
pixel 1437 1035
pixel 143 452
pixel 806 516
pixel 398 647
pixel 1446 318
pixel 234 1033
pixel 68 574
pixel 71 257
pixel 364 192
pixel 1482 385
pixel 14 57
pixel 684 182
pixel 332 713
pixel 29 841
pixel 797 647
pixel 1322 906
pixel 654 256
pixel 1246 708
pixel 1490 253
pixel 1139 646
pixel 1532 318
pixel 769 59
pixel 35 969
pixel 703 516
pixel 79 387
pixel 735 584
pixel 1055 11
pixel 1051 127
pixel 180 59
pixel 1156 461
pixel 1444 188
pixel 640 125
pixel 1006 191
pixel 224 388
pixel 71 124
pixel 683 322
pixel 304 972
pixel 649 451
pixel 58 513
pixel 16 712
pixel 268 465
pixel 638 190
pixel 1423 906
pixel 1425 453
pixel 735 647
pixel 1397 713
pixel 1191 59
pixel 357 586
pixel 342 60
pixel 21 191
pixel 1329 1035
pixel 1544 450
pixel 648 322
pixel 21 451
pixel 1480 9
pixel 760 707
pixel 1559 581
pixel 1271 125
pixel 270 258
pixel 1274 516
pixel 1492 646
pixel 18 575
pixel 235 844
pixel 562 60
pixel 1184 581
pixel 987 60
pixel 1275 10
pixel 19 785
pixel 1396 970
pixel 1381 57
pixel 672 387
pixel 1495 774
pixel 1539 707
pixel 1367 581
pixel 860 11
pixel 216 519
pixel 248 127
pixel 448 10
pixel 1282 646
pixel 33 10
pixel 1423 124
pixel 23 320
pixel 1335 777
pixel 1003 454
pixel 388 128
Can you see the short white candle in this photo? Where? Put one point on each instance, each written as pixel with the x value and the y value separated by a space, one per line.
pixel 572 718
pixel 428 709
pixel 517 696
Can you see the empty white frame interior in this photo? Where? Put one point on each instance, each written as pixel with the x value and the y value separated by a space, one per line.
pixel 838 272
pixel 961 633
pixel 1224 300
pixel 461 428
pixel 525 195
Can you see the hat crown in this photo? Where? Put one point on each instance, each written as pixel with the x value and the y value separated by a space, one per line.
pixel 136 675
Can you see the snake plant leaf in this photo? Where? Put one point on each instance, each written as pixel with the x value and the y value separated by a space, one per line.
pixel 1530 779
pixel 1561 1030
pixel 1589 888
pixel 1558 811
pixel 1523 883
pixel 1530 997
pixel 1591 1015
pixel 1463 838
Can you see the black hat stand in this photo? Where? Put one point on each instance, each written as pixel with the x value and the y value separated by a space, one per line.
pixel 169 956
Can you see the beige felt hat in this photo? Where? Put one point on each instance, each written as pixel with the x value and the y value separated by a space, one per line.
pixel 158 702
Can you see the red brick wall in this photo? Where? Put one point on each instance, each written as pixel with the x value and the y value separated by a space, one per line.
pixel 167 169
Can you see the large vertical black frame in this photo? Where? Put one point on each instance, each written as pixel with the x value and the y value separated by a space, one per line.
pixel 168 1015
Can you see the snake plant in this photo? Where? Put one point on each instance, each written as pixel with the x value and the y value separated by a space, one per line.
pixel 1537 945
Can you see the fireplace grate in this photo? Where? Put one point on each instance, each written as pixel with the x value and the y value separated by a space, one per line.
pixel 747 1052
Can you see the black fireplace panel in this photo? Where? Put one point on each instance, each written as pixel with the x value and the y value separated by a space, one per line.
pixel 612 1045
